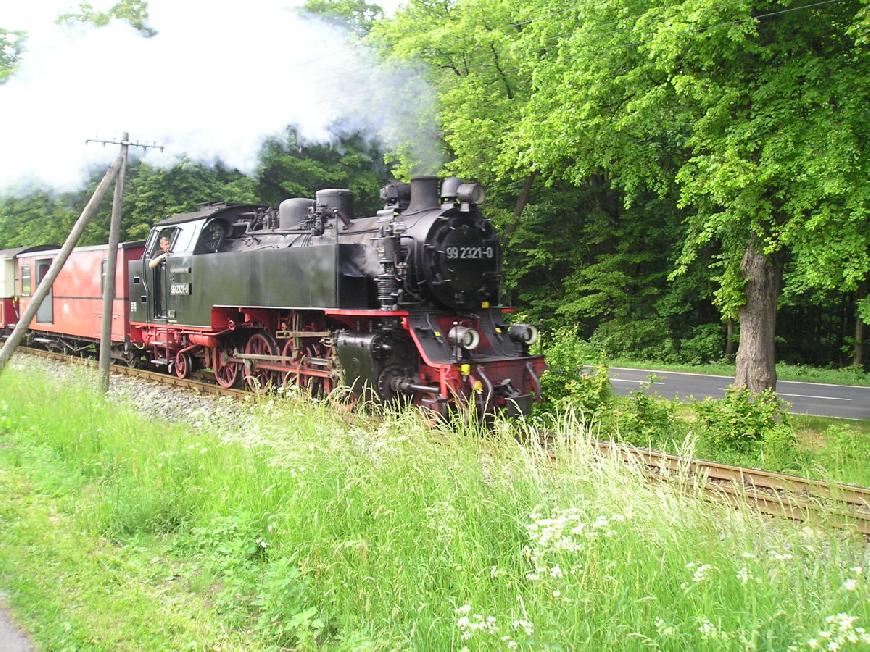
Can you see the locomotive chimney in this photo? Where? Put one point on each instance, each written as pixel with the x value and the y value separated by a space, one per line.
pixel 424 194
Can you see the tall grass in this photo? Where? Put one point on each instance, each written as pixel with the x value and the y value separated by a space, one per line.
pixel 304 530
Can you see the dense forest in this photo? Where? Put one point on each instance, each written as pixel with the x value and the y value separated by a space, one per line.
pixel 670 178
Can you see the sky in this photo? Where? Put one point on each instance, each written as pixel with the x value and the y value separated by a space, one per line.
pixel 216 81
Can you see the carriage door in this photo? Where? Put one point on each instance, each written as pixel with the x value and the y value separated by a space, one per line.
pixel 45 313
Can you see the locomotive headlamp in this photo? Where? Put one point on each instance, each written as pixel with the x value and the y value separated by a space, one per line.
pixel 471 192
pixel 524 333
pixel 465 337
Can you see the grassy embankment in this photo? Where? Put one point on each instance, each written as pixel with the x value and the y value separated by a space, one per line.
pixel 305 531
pixel 801 373
pixel 821 448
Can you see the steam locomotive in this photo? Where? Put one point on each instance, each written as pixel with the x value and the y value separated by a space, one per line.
pixel 399 305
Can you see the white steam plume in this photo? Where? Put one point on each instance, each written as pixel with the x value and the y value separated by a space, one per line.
pixel 216 80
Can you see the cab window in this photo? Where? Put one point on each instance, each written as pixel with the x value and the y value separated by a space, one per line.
pixel 171 234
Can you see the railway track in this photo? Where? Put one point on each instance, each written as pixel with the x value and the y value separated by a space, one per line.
pixel 201 386
pixel 777 494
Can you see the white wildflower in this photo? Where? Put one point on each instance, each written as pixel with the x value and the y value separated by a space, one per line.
pixel 857 570
pixel 464 610
pixel 524 625
pixel 701 573
pixel 663 628
pixel 813 644
pixel 557 593
pixel 743 575
pixel 555 571
pixel 708 630
pixel 850 584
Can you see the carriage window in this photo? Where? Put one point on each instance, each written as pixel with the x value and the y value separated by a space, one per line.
pixel 25 280
pixel 103 276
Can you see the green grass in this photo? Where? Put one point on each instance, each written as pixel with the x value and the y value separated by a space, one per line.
pixel 824 448
pixel 845 376
pixel 306 531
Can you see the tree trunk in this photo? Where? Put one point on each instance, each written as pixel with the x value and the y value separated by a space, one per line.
pixel 522 200
pixel 756 356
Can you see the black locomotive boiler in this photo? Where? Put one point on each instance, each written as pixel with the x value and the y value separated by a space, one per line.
pixel 400 304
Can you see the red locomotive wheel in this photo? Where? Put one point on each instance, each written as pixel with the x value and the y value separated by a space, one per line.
pixel 226 374
pixel 183 364
pixel 261 344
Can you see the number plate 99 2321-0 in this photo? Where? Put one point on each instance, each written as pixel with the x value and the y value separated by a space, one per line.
pixel 469 253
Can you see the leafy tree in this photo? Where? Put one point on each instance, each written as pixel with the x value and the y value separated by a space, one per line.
pixel 134 12
pixel 11 46
pixel 358 15
pixel 152 194
pixel 290 169
pixel 755 114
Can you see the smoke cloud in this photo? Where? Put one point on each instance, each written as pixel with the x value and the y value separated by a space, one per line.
pixel 213 84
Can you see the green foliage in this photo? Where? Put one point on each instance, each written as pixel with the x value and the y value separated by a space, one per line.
pixel 290 169
pixel 287 169
pixel 11 46
pixel 646 420
pixel 574 379
pixel 649 338
pixel 134 12
pixel 741 422
pixel 706 344
pixel 845 448
pixel 358 15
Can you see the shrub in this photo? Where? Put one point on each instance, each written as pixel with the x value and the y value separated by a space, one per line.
pixel 743 422
pixel 645 420
pixel 573 377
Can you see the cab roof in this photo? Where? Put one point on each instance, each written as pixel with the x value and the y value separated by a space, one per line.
pixel 208 210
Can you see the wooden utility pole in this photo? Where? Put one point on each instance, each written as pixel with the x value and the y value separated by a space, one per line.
pixel 111 264
pixel 112 257
pixel 47 281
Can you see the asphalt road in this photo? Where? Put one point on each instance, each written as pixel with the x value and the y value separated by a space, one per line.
pixel 11 639
pixel 841 401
